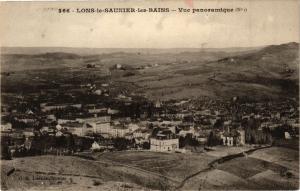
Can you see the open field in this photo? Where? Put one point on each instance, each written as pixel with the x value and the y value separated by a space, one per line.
pixel 68 170
pixel 175 165
pixel 34 181
pixel 263 169
pixel 281 156
pixel 270 168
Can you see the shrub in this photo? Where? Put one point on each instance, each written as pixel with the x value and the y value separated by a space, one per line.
pixel 97 183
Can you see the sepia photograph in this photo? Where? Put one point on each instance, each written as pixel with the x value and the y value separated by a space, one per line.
pixel 133 95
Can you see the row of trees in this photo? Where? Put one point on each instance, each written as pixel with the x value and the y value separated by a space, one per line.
pixel 253 136
pixel 66 144
pixel 213 139
pixel 188 140
pixel 45 144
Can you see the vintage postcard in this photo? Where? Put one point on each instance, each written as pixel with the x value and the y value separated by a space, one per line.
pixel 150 95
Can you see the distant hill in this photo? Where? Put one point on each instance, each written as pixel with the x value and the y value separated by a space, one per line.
pixel 271 71
pixel 280 61
pixel 97 51
pixel 48 55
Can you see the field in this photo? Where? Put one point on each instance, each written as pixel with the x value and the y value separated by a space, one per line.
pixel 274 168
pixel 70 172
pixel 162 74
pixel 175 165
pixel 270 168
pixel 135 169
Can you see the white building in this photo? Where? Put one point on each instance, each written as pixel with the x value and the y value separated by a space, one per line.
pixel 101 127
pixel 132 127
pixel 62 121
pixel 164 145
pixel 112 111
pixel 48 107
pixel 76 128
pixel 28 133
pixel 183 133
pixel 118 66
pixel 98 124
pixel 97 110
pixel 101 119
pixel 111 131
pixel 95 146
pixel 6 127
pixel 141 133
pixel 287 135
pixel 234 138
pixel 119 132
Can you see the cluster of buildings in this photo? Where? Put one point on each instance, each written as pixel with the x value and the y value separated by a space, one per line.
pixel 160 125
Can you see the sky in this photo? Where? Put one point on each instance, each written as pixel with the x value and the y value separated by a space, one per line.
pixel 38 24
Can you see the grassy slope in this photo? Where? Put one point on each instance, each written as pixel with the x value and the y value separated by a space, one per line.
pixel 173 165
pixel 260 170
pixel 75 168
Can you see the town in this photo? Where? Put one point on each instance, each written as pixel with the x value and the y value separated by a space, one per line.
pixel 71 118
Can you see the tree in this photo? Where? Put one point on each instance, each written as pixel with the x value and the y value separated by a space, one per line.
pixel 121 143
pixel 219 124
pixel 278 132
pixel 181 142
pixel 5 153
pixel 212 140
pixel 146 145
pixel 70 143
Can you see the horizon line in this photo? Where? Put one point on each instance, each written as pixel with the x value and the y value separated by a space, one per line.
pixel 76 47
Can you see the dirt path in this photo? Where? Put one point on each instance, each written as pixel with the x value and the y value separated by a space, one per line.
pixel 57 173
